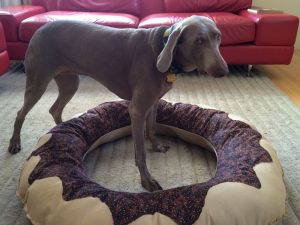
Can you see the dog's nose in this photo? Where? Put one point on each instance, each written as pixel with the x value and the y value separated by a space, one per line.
pixel 219 71
pixel 222 72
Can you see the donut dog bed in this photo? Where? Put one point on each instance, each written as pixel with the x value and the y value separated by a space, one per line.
pixel 247 188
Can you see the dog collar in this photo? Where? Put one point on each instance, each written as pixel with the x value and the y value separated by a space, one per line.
pixel 171 78
pixel 167 34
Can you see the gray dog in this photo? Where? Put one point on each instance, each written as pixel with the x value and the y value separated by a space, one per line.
pixel 132 63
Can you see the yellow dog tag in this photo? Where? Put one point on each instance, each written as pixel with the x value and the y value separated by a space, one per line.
pixel 171 77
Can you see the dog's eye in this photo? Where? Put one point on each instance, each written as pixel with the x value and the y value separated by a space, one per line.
pixel 199 41
pixel 218 36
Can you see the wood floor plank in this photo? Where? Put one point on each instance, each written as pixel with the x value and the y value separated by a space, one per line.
pixel 285 77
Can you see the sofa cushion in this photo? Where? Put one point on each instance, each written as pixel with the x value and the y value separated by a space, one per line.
pixel 12 16
pixel 49 5
pixel 235 29
pixel 165 19
pixel 151 7
pixel 119 20
pixel 119 6
pixel 206 5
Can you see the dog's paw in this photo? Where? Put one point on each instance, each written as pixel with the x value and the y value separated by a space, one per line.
pixel 151 185
pixel 14 147
pixel 160 148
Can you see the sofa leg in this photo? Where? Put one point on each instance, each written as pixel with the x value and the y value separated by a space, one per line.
pixel 249 70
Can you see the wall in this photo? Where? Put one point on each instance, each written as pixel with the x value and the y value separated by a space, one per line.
pixel 288 6
pixel 4 3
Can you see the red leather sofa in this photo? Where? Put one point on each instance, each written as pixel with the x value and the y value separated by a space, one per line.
pixel 247 38
pixel 4 61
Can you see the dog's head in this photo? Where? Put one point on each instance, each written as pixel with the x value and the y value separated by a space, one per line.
pixel 193 44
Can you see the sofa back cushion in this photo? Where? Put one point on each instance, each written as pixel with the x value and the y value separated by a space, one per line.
pixel 118 6
pixel 49 5
pixel 206 5
pixel 149 7
pixel 143 8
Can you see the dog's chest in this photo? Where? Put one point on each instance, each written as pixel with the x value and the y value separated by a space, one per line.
pixel 166 85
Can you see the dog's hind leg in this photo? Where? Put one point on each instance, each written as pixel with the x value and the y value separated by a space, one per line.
pixel 36 85
pixel 67 86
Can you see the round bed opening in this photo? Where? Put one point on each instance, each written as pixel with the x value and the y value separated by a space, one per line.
pixel 190 160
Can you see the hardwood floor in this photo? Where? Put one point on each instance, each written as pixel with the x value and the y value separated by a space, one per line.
pixel 285 77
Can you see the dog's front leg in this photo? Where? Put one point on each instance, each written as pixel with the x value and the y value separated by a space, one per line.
pixel 138 116
pixel 151 130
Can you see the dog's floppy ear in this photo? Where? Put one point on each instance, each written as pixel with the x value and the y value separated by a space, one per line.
pixel 165 58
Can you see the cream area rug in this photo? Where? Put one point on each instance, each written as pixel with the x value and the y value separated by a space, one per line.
pixel 112 165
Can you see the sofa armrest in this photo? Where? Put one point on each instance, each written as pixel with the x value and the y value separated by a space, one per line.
pixel 274 29
pixel 12 16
